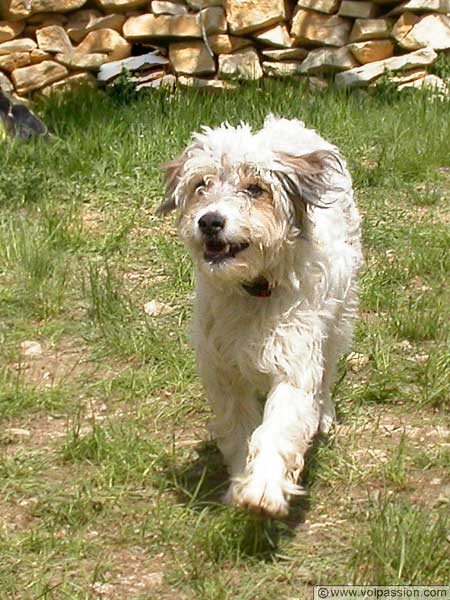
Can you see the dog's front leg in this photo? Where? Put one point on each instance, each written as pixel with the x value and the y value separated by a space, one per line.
pixel 276 451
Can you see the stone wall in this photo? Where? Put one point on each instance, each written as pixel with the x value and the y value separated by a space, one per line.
pixel 48 45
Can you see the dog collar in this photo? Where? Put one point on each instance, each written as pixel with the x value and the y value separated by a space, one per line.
pixel 259 287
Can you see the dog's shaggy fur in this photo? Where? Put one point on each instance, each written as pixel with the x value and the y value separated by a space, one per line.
pixel 271 224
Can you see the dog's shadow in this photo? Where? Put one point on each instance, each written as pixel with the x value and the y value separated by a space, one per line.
pixel 201 484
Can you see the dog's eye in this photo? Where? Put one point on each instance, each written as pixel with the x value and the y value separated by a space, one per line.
pixel 200 185
pixel 254 190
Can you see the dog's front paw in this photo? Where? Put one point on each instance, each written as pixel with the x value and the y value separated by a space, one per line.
pixel 260 496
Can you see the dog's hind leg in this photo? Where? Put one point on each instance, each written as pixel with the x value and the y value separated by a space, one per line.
pixel 277 448
pixel 331 353
pixel 337 344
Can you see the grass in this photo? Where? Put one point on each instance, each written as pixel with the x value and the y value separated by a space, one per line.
pixel 109 485
pixel 403 546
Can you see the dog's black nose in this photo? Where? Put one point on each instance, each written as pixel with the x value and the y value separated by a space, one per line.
pixel 211 223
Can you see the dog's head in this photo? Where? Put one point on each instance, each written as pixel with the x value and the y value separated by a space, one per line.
pixel 242 195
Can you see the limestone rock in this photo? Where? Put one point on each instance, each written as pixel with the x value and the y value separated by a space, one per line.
pixel 134 63
pixel 155 83
pixel 315 28
pixel 15 10
pixel 34 77
pixel 68 84
pixel 281 69
pixel 429 81
pixel 166 7
pixel 20 45
pixel 53 19
pixel 324 6
pixel 53 39
pixel 206 85
pixel 120 5
pixel 9 30
pixel 243 64
pixel 328 60
pixel 191 58
pixel 358 9
pixel 114 21
pixel 105 41
pixel 370 29
pixel 403 26
pixel 357 361
pixel 439 6
pixel 142 77
pixel 30 348
pixel 5 85
pixel 286 54
pixel 18 432
pixel 361 76
pixel 37 56
pixel 84 21
pixel 58 6
pixel 44 19
pixel 15 60
pixel 199 4
pixel 245 16
pixel 371 51
pixel 317 84
pixel 169 81
pixel 152 81
pixel 79 21
pixel 407 76
pixel 90 62
pixel 430 30
pixel 213 20
pixel 144 27
pixel 277 36
pixel 155 308
pixel 222 43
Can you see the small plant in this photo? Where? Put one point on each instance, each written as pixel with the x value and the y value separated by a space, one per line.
pixel 434 378
pixel 123 90
pixel 441 67
pixel 403 546
pixel 103 296
pixel 395 470
pixel 385 87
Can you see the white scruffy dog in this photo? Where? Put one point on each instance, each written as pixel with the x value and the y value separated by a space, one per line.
pixel 271 224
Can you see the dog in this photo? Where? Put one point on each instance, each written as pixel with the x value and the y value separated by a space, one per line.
pixel 270 221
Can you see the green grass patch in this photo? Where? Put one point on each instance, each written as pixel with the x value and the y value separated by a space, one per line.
pixel 403 546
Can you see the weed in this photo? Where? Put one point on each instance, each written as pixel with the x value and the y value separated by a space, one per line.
pixel 441 67
pixel 402 546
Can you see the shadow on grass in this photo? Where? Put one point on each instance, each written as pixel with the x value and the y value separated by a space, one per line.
pixel 200 485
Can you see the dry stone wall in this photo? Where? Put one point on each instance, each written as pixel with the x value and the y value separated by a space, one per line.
pixel 51 45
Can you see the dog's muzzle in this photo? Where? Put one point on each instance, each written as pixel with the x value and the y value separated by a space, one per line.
pixel 215 248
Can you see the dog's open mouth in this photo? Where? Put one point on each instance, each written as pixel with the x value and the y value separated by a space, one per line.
pixel 217 251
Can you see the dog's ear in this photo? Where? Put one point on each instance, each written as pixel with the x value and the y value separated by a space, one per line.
pixel 172 172
pixel 305 178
